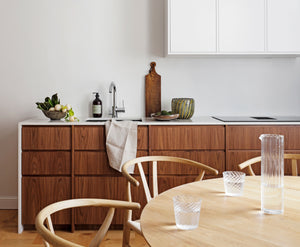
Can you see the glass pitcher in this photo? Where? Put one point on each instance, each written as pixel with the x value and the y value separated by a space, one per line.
pixel 272 172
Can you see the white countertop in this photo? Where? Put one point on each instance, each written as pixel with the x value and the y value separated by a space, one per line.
pixel 203 120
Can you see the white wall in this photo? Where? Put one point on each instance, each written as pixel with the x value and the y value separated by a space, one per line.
pixel 76 47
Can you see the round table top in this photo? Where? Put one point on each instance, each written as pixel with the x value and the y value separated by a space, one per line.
pixel 225 220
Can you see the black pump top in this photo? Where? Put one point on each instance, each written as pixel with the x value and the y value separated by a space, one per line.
pixel 97 95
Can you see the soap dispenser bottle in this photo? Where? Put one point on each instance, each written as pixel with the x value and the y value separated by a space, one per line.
pixel 97 106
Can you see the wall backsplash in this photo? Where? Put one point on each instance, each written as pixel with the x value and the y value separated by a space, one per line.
pixel 75 48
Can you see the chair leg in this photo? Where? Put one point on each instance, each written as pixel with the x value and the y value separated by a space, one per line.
pixel 126 236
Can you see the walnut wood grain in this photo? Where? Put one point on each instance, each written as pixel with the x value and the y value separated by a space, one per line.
pixel 215 159
pixel 89 138
pixel 187 137
pixel 46 138
pixel 38 192
pixel 142 141
pixel 96 163
pixel 234 158
pixel 166 182
pixel 152 91
pixel 105 188
pixel 247 137
pixel 73 178
pixel 46 163
pixel 93 138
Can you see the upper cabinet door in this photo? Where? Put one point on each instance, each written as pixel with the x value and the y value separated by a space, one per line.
pixel 191 26
pixel 241 26
pixel 283 26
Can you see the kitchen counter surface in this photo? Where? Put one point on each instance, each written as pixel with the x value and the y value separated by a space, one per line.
pixel 204 120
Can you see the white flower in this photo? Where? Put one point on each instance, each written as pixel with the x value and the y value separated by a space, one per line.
pixel 68 106
pixel 52 109
pixel 57 107
pixel 71 118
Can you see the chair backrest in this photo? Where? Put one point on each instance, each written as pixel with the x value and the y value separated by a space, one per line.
pixel 155 159
pixel 49 235
pixel 248 163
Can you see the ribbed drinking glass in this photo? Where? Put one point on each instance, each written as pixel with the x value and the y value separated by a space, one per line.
pixel 233 183
pixel 187 211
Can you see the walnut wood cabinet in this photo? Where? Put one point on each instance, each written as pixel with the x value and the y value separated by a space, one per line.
pixel 242 143
pixel 46 170
pixel 205 144
pixel 70 161
pixel 64 162
pixel 95 178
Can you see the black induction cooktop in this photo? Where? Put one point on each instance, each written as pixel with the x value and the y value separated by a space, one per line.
pixel 258 118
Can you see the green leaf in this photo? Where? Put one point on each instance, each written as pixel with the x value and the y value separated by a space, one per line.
pixel 55 99
pixel 42 106
pixel 49 101
pixel 39 106
pixel 71 112
pixel 48 105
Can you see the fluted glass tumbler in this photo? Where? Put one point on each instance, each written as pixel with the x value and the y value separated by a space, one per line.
pixel 187 211
pixel 233 183
pixel 272 173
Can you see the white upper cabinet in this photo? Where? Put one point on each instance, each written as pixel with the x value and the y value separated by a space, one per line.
pixel 283 26
pixel 222 27
pixel 192 26
pixel 241 26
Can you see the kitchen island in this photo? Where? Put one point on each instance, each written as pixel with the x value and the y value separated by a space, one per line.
pixel 61 160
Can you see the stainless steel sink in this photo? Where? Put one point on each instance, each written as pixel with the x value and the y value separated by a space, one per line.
pixel 117 119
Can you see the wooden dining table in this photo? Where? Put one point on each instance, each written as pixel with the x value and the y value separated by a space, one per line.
pixel 225 220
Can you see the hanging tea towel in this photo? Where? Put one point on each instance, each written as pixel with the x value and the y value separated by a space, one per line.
pixel 121 143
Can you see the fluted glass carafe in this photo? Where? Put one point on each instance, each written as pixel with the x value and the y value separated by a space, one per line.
pixel 272 173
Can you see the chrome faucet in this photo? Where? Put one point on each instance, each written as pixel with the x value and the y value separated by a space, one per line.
pixel 115 109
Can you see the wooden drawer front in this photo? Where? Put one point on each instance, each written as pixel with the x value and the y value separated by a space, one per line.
pixel 215 159
pixel 96 163
pixel 46 163
pixel 187 137
pixel 43 138
pixel 89 137
pixel 247 137
pixel 237 157
pixel 105 188
pixel 38 192
pixel 92 163
pixel 142 142
pixel 93 138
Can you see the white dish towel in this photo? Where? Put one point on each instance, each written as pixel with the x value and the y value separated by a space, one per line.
pixel 121 143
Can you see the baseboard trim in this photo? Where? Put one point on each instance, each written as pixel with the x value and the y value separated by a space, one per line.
pixel 8 202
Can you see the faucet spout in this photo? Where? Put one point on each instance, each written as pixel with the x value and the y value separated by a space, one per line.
pixel 114 108
pixel 112 87
pixel 113 90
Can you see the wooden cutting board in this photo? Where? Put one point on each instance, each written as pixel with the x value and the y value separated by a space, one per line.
pixel 152 91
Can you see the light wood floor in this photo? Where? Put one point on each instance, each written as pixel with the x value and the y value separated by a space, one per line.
pixel 10 238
